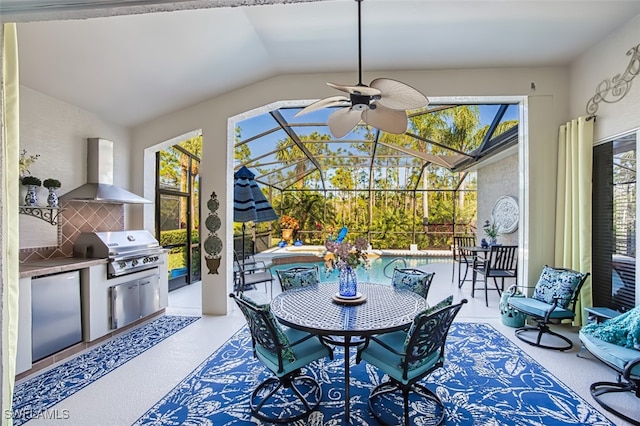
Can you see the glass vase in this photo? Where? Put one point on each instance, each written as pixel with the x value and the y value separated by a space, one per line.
pixel 347 282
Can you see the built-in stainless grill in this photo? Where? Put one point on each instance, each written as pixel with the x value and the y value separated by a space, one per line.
pixel 126 251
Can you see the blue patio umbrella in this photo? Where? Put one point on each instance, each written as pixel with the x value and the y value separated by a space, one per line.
pixel 249 203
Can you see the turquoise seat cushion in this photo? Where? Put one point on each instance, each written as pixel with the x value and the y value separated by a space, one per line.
pixel 538 308
pixel 623 330
pixel 414 281
pixel 303 353
pixel 557 283
pixel 379 356
pixel 610 353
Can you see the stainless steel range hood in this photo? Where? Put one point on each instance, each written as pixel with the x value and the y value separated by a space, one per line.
pixel 99 187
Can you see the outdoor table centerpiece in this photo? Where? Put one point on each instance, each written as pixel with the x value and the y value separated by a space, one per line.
pixel 346 257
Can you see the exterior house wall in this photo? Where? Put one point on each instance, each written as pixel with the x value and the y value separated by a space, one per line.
pixel 494 181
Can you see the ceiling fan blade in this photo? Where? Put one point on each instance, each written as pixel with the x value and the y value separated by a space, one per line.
pixel 356 90
pixel 386 119
pixel 397 95
pixel 343 121
pixel 323 103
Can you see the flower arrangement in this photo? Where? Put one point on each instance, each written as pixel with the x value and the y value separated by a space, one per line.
pixel 26 161
pixel 347 254
pixel 288 222
pixel 490 229
pixel 51 183
pixel 31 180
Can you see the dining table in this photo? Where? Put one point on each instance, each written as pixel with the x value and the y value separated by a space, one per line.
pixel 376 308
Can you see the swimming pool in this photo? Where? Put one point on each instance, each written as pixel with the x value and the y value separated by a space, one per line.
pixel 374 273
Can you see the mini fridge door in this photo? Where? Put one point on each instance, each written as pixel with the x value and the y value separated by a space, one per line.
pixel 125 304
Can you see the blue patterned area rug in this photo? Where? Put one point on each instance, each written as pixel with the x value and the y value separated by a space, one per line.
pixel 34 395
pixel 487 380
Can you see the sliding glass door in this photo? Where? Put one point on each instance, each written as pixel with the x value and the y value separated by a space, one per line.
pixel 614 223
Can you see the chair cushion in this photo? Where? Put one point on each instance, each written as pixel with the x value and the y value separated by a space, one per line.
pixel 389 362
pixel 537 308
pixel 413 281
pixel 614 355
pixel 442 304
pixel 557 283
pixel 303 353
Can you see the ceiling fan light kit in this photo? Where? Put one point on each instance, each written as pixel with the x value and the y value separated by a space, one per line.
pixel 383 104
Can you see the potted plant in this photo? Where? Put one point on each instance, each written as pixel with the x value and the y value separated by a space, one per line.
pixel 288 225
pixel 32 183
pixel 491 230
pixel 52 184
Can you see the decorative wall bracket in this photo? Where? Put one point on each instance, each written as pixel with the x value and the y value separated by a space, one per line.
pixel 612 91
pixel 48 214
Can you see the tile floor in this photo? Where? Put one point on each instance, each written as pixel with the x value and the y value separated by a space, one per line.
pixel 123 395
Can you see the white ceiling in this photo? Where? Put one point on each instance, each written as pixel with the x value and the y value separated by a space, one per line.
pixel 129 69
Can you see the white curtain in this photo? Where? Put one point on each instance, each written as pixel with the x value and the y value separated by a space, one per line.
pixel 9 235
pixel 573 205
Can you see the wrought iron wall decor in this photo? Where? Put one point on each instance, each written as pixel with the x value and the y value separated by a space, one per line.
pixel 213 243
pixel 611 91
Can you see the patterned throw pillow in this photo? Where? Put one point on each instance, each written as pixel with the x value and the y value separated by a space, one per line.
pixel 261 330
pixel 295 279
pixel 418 283
pixel 557 283
pixel 442 304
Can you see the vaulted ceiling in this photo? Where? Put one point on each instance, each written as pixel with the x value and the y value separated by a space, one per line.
pixel 132 68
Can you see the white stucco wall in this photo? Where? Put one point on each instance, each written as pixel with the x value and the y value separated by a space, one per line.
pixel 603 62
pixel 58 132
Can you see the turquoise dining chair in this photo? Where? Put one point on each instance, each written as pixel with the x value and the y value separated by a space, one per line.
pixel 289 395
pixel 415 280
pixel 407 357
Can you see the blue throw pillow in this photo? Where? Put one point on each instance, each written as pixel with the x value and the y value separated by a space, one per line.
pixel 557 283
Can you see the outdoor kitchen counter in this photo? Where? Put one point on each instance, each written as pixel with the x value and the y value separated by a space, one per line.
pixel 55 266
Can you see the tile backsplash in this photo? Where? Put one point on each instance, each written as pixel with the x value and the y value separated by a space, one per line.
pixel 78 217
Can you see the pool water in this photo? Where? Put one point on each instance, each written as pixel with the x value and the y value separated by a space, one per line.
pixel 375 272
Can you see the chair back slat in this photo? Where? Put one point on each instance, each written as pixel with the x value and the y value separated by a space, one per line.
pixel 458 243
pixel 502 259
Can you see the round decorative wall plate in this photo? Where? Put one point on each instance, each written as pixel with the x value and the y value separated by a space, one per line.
pixel 505 214
pixel 212 222
pixel 213 204
pixel 213 245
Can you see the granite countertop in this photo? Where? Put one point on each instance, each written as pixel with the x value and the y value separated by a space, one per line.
pixel 54 266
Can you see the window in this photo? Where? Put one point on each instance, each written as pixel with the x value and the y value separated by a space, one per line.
pixel 614 224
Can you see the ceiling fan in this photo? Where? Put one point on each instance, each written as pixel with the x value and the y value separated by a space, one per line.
pixel 383 104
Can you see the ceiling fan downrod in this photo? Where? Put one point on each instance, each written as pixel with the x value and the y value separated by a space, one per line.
pixel 359 43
